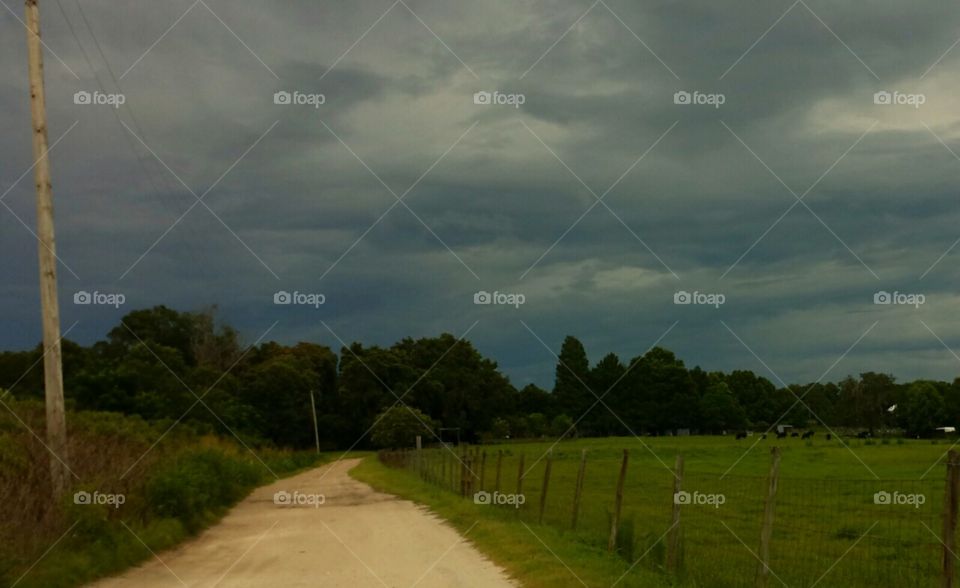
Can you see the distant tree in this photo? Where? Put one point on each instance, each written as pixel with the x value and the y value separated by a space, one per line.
pixel 500 428
pixel 533 398
pixel 719 410
pixel 562 426
pixel 657 394
pixel 398 427
pixel 158 325
pixel 923 410
pixel 212 345
pixel 572 375
pixel 537 425
pixel 755 394
pixel 604 377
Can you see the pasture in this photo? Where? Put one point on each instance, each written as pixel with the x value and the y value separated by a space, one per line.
pixel 850 512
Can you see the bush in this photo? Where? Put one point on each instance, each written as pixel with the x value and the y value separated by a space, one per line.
pixel 199 484
pixel 399 426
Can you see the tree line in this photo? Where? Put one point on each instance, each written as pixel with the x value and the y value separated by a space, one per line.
pixel 167 365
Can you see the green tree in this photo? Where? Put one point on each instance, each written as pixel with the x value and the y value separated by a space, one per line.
pixel 398 427
pixel 572 375
pixel 923 409
pixel 719 410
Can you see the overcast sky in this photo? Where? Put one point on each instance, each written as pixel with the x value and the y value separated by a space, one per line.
pixel 788 189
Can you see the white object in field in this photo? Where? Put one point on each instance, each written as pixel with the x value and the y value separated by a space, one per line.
pixel 892 408
pixel 947 429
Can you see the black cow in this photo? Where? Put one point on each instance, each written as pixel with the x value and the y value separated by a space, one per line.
pixel 764 436
pixel 782 435
pixel 807 435
pixel 829 436
pixel 863 435
pixel 741 435
pixel 794 434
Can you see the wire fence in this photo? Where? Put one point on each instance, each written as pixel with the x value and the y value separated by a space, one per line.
pixel 713 530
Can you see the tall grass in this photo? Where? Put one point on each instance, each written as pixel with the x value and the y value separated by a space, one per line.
pixel 172 489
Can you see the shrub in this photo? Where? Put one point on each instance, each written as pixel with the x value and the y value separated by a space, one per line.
pixel 199 484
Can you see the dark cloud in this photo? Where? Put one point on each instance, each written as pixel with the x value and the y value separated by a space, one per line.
pixel 307 205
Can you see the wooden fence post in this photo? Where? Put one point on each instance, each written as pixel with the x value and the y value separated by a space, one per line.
pixel 483 468
pixel 618 504
pixel 469 465
pixel 496 487
pixel 578 491
pixel 546 484
pixel 463 473
pixel 520 478
pixel 443 469
pixel 673 537
pixel 766 532
pixel 948 534
pixel 419 456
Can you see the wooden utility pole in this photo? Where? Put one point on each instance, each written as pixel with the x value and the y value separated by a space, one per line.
pixel 316 430
pixel 52 360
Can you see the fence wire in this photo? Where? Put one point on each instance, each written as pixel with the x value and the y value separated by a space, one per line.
pixel 834 532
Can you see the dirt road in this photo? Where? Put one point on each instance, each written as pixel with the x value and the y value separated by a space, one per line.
pixel 356 538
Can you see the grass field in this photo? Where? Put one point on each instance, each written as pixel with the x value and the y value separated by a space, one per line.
pixel 827 530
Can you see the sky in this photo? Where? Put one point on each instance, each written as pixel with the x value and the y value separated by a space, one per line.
pixel 754 185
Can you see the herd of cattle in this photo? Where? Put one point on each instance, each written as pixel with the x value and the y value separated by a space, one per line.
pixel 805 435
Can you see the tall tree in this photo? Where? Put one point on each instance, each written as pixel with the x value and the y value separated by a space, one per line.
pixel 572 376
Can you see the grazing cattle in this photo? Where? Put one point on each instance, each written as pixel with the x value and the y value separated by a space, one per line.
pixel 764 436
pixel 794 434
pixel 782 435
pixel 829 436
pixel 863 435
pixel 807 435
pixel 741 435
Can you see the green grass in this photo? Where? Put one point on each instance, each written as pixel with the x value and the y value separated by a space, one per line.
pixel 179 486
pixel 824 507
pixel 530 553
